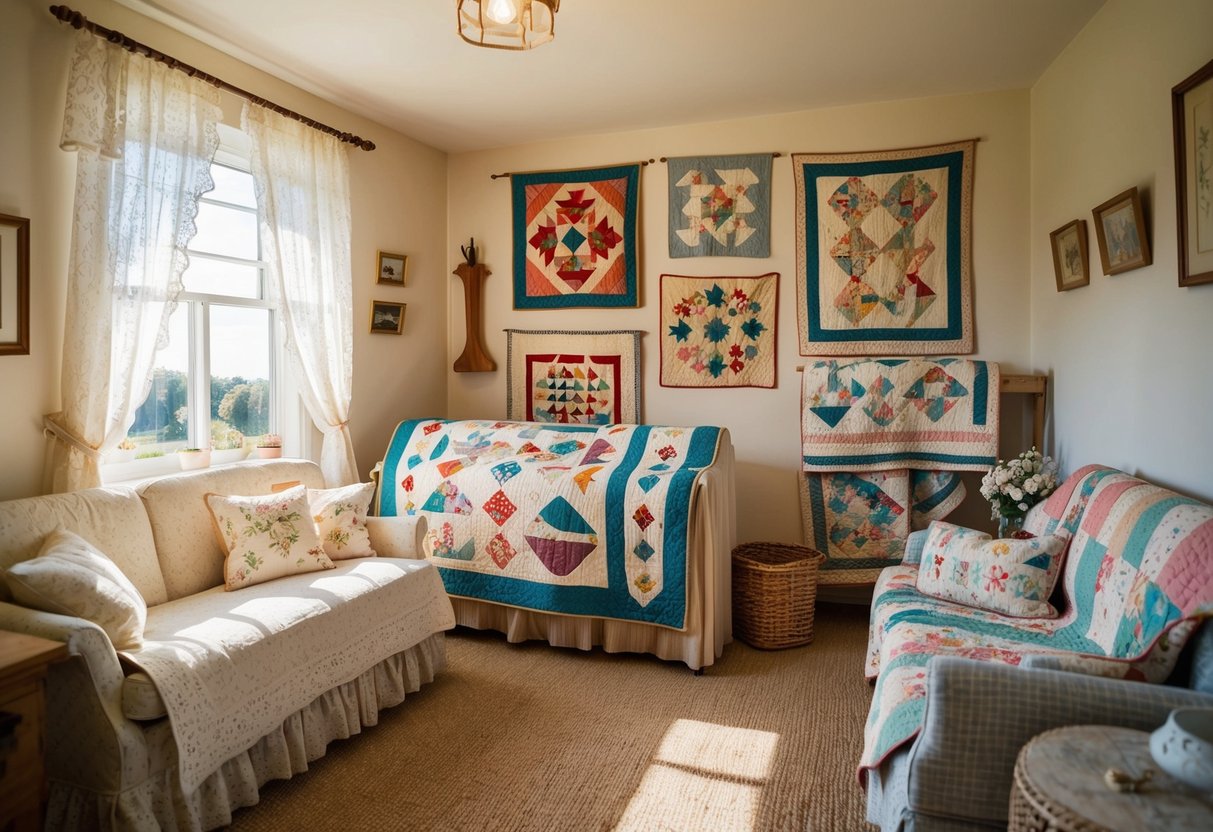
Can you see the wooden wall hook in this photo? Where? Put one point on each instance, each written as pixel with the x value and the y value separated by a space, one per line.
pixel 474 358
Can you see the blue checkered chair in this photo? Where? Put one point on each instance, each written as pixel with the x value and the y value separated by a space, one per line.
pixel 957 774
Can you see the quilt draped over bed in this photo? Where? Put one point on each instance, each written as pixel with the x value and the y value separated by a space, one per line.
pixel 882 442
pixel 1136 579
pixel 569 519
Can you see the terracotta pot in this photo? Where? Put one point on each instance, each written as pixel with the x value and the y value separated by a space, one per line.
pixel 268 453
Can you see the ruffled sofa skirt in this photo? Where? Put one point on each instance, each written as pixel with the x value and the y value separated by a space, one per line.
pixel 160 803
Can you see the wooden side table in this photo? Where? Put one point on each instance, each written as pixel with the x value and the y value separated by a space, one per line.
pixel 23 664
pixel 1059 785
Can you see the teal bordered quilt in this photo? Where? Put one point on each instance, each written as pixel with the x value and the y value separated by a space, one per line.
pixel 575 238
pixel 884 250
pixel 568 519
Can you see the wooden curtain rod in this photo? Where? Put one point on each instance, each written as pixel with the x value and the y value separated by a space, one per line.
pixel 78 21
pixel 774 155
pixel 508 173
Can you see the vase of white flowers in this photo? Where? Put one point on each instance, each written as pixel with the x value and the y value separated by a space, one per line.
pixel 1015 485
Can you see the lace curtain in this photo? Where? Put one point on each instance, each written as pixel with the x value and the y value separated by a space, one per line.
pixel 144 136
pixel 303 191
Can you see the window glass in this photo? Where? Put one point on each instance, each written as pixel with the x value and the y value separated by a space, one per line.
pixel 240 373
pixel 234 186
pixel 162 422
pixel 227 231
pixel 222 277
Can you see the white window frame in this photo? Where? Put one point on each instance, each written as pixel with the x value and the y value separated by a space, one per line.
pixel 290 421
pixel 200 329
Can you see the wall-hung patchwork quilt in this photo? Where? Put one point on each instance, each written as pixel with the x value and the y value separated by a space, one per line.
pixel 720 206
pixel 882 442
pixel 883 251
pixel 719 331
pixel 575 238
pixel 569 519
pixel 586 377
pixel 860 519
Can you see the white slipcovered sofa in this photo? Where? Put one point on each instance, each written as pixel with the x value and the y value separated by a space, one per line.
pixel 230 689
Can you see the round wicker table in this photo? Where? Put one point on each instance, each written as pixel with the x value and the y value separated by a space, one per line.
pixel 1059 785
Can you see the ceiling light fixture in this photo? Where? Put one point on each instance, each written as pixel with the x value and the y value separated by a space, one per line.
pixel 508 24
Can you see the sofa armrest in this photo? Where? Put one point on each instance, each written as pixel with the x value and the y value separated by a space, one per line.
pixel 1075 663
pixel 397 537
pixel 915 543
pixel 83 638
pixel 980 714
pixel 89 742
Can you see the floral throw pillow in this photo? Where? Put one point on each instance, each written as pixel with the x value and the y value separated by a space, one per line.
pixel 266 537
pixel 1012 577
pixel 340 515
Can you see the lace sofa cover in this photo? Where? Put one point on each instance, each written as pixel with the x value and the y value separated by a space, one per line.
pixel 278 670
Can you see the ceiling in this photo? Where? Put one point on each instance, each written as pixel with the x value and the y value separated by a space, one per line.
pixel 626 64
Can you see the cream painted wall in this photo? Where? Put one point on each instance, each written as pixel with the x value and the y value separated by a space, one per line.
pixel 1129 354
pixel 398 195
pixel 763 423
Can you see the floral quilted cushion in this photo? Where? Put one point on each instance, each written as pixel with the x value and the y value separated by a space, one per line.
pixel 70 576
pixel 340 515
pixel 1012 577
pixel 266 537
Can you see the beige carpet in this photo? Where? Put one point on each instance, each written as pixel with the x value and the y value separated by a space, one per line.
pixel 529 737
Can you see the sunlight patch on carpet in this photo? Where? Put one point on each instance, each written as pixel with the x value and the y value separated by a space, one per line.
pixel 703 776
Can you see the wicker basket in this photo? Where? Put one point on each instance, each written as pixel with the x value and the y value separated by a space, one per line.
pixel 774 593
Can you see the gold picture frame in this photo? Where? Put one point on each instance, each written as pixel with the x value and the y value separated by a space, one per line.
pixel 1192 119
pixel 392 268
pixel 14 285
pixel 1120 227
pixel 1071 266
pixel 387 317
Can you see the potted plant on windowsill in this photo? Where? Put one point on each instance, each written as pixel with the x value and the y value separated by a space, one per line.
pixel 124 452
pixel 269 446
pixel 228 446
pixel 192 459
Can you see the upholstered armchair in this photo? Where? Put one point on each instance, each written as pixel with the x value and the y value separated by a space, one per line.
pixel 958 772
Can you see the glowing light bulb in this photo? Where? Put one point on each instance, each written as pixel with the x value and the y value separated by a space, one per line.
pixel 501 11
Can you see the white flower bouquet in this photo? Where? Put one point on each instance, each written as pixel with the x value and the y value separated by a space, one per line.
pixel 1014 486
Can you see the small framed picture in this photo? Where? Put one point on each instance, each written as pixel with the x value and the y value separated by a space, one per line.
pixel 387 317
pixel 1070 264
pixel 1120 227
pixel 14 285
pixel 1192 117
pixel 392 268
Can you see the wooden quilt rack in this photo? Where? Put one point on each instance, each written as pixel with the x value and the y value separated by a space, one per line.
pixel 1035 386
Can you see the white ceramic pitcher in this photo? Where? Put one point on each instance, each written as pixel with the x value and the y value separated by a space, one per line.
pixel 1183 747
